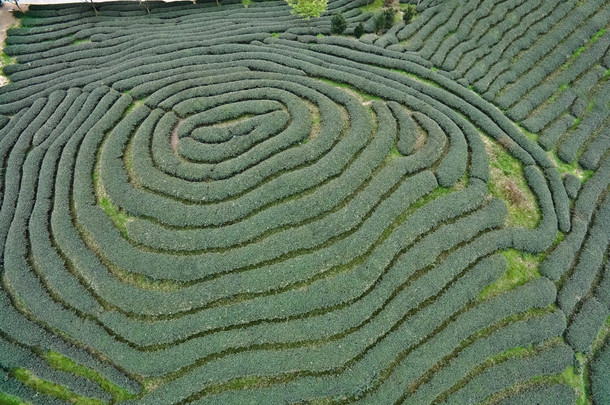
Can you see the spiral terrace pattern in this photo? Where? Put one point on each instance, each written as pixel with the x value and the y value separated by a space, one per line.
pixel 212 205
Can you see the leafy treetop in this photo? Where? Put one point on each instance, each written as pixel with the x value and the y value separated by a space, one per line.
pixel 308 8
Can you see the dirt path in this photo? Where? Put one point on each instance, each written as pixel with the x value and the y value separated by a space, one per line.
pixel 7 20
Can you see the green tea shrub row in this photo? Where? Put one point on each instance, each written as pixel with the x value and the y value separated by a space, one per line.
pixel 542 394
pixel 520 333
pixel 551 135
pixel 466 324
pixel 13 356
pixel 467 220
pixel 562 258
pixel 407 135
pixel 593 154
pixel 586 324
pixel 600 367
pixel 541 238
pixel 560 199
pixel 310 207
pixel 593 123
pixel 14 387
pixel 590 261
pixel 602 293
pixel 500 377
pixel 538 95
pixel 572 185
pixel 211 134
pixel 475 62
pixel 529 72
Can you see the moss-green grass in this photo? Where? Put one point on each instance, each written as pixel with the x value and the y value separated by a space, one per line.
pixel 6 399
pixel 364 96
pixel 571 168
pixel 81 41
pixel 118 216
pixel 60 362
pixel 372 7
pixel 508 183
pixel 421 79
pixel 583 48
pixel 7 60
pixel 51 389
pixel 577 380
pixel 521 268
pixel 532 136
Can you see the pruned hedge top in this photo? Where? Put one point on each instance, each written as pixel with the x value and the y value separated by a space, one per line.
pixel 207 204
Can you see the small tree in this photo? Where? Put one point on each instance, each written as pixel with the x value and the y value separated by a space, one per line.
pixel 384 20
pixel 359 30
pixel 307 8
pixel 338 24
pixel 408 14
pixel 388 18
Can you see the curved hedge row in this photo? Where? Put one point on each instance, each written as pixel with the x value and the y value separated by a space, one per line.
pixel 244 211
pixel 543 61
pixel 599 372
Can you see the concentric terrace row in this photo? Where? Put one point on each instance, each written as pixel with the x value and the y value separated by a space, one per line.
pixel 252 218
pixel 546 63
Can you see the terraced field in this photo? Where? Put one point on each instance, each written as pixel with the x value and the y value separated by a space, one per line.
pixel 228 205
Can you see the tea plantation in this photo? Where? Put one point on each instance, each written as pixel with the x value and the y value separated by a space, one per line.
pixel 229 205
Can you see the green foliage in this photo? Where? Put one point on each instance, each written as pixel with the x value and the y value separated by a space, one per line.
pixel 521 268
pixel 282 212
pixel 551 361
pixel 600 369
pixel 6 399
pixel 118 217
pixel 60 362
pixel 508 182
pixel 359 30
pixel 372 6
pixel 408 13
pixel 384 20
pixel 308 8
pixel 586 325
pixel 51 389
pixel 338 24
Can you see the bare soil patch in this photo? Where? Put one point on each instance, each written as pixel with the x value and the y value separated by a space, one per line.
pixel 7 20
